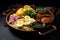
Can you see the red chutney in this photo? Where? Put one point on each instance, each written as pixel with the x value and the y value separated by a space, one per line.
pixel 46 19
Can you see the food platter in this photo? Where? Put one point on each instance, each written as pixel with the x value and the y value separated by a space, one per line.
pixel 30 19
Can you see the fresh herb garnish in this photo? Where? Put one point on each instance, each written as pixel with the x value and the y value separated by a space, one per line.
pixel 29 13
pixel 40 10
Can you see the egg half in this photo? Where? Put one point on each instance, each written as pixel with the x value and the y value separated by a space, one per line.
pixel 19 23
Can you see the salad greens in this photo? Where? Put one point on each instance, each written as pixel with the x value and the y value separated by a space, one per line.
pixel 40 10
pixel 30 13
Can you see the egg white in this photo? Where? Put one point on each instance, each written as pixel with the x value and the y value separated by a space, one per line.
pixel 19 23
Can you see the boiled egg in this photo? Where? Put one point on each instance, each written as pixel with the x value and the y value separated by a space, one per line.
pixel 32 20
pixel 19 22
pixel 27 17
pixel 26 23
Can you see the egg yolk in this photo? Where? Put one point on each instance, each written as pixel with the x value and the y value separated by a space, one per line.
pixel 19 23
